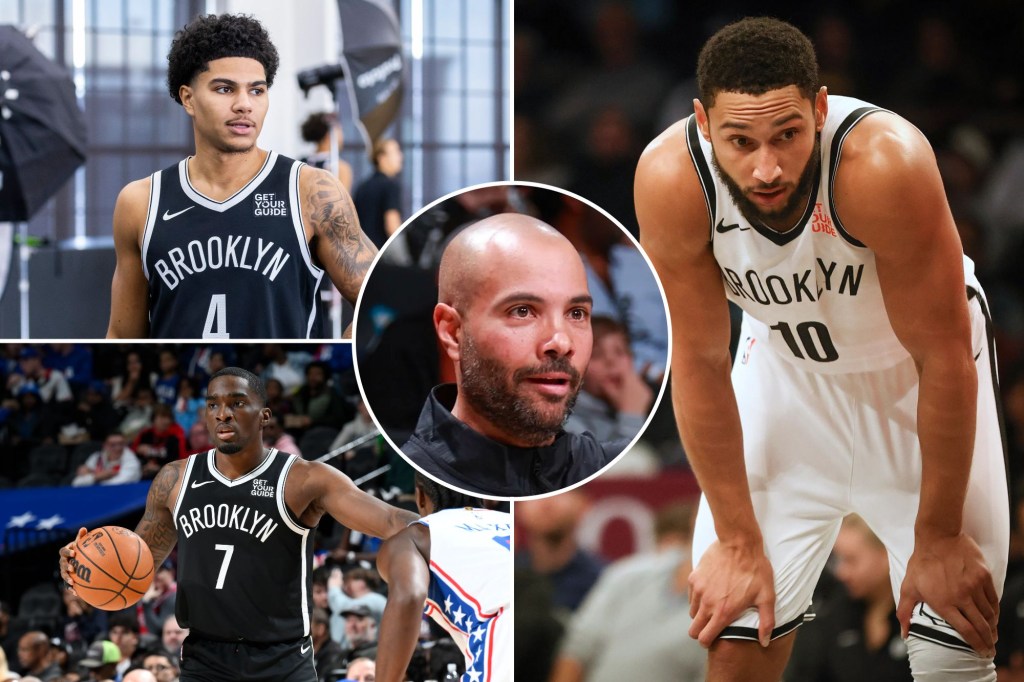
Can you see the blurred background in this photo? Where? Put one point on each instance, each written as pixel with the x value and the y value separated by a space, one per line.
pixel 594 82
pixel 451 124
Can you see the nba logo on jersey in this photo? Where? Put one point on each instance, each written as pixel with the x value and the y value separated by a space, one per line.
pixel 269 204
pixel 750 346
pixel 261 488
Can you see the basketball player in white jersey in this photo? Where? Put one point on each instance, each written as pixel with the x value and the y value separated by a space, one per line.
pixel 233 241
pixel 864 380
pixel 454 565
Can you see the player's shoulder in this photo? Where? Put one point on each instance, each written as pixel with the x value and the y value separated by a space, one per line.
pixel 168 481
pixel 669 197
pixel 883 145
pixel 135 195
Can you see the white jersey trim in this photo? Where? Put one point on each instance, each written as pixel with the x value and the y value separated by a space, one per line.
pixel 282 510
pixel 181 491
pixel 300 236
pixel 221 206
pixel 211 461
pixel 154 206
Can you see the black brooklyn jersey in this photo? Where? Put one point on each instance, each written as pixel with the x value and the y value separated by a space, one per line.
pixel 244 560
pixel 238 268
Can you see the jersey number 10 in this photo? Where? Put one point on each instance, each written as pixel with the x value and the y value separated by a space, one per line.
pixel 813 338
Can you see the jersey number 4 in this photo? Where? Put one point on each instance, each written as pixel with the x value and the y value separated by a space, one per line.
pixel 217 318
pixel 814 339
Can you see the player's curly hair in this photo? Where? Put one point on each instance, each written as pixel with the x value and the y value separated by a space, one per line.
pixel 211 37
pixel 442 497
pixel 255 383
pixel 755 55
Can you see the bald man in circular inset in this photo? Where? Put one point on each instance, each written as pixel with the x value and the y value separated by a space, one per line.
pixel 513 316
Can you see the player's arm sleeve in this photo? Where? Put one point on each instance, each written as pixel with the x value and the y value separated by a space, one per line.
pixel 919 259
pixel 675 231
pixel 404 568
pixel 129 290
pixel 341 246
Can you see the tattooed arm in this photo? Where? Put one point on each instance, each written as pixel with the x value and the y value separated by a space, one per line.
pixel 335 238
pixel 156 526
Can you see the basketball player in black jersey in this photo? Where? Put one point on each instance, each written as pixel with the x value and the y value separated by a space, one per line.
pixel 242 517
pixel 232 242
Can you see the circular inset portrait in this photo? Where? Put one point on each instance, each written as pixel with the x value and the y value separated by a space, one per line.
pixel 511 340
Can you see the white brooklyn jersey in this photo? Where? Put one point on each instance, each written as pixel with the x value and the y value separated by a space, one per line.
pixel 470 586
pixel 811 294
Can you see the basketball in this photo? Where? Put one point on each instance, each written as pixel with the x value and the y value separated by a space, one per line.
pixel 113 568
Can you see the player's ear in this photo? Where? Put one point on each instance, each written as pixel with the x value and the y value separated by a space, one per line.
pixel 702 119
pixel 185 95
pixel 448 324
pixel 265 415
pixel 820 108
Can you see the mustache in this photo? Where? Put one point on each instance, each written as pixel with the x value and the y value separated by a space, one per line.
pixel 561 365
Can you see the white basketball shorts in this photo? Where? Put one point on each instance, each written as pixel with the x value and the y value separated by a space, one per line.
pixel 821 446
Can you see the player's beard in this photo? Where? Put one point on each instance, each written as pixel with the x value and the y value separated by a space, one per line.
pixel 229 448
pixel 793 208
pixel 487 388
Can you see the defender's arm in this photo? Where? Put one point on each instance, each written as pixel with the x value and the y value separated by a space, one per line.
pixel 909 227
pixel 675 232
pixel 402 563
pixel 129 290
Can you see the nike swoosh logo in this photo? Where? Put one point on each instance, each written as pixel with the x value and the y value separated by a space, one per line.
pixel 722 228
pixel 197 484
pixel 977 356
pixel 168 215
pixel 305 648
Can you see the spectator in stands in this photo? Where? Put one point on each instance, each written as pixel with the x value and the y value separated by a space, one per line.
pixel 124 632
pixel 317 403
pixel 114 464
pixel 278 402
pixel 328 654
pixel 138 675
pixel 189 405
pixel 159 600
pixel 285 367
pixel 166 387
pixel 551 548
pixel 34 422
pixel 378 197
pixel 274 436
pixel 8 638
pixel 94 412
pixel 164 666
pixel 140 414
pixel 52 387
pixel 615 399
pixel 81 623
pixel 103 660
pixel 360 631
pixel 74 361
pixel 124 388
pixel 635 613
pixel 361 670
pixel 173 634
pixel 355 588
pixel 34 656
pixel 199 438
pixel 160 443
pixel 855 635
pixel 360 425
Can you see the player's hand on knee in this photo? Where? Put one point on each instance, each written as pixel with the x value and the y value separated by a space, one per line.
pixel 949 574
pixel 67 552
pixel 729 580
